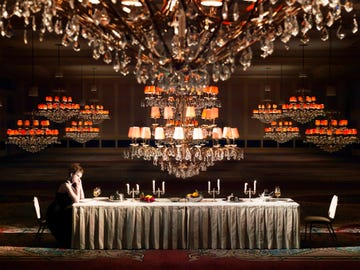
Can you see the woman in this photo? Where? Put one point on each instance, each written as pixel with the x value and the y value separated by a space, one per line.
pixel 59 213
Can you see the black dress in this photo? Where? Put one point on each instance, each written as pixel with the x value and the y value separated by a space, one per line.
pixel 59 218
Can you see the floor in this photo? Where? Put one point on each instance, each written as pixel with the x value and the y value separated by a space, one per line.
pixel 307 176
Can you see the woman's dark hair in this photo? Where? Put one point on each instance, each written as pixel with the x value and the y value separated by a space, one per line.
pixel 75 167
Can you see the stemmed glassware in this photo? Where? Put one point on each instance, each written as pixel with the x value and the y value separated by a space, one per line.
pixel 277 192
pixel 96 192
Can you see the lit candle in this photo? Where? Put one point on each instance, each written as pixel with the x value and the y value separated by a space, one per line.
pixel 218 184
pixel 209 186
pixel 137 187
pixel 153 185
pixel 255 186
pixel 163 186
pixel 245 187
pixel 128 188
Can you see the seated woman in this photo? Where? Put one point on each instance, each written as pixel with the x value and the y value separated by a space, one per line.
pixel 59 212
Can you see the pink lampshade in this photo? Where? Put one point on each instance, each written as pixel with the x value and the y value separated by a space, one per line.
pixel 168 113
pixel 227 132
pixel 234 133
pixel 190 112
pixel 216 133
pixel 214 113
pixel 134 132
pixel 155 112
pixel 179 133
pixel 145 133
pixel 159 133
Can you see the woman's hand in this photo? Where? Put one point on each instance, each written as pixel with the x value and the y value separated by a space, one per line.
pixel 68 185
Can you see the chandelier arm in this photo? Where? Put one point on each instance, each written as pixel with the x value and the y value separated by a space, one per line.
pixel 157 28
pixel 230 40
pixel 131 32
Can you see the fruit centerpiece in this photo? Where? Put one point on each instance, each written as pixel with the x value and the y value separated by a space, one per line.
pixel 194 197
pixel 148 198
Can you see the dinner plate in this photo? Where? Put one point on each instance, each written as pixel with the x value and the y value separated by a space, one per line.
pixel 238 201
pixel 116 201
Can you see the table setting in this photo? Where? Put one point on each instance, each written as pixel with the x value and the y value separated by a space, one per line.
pixel 137 219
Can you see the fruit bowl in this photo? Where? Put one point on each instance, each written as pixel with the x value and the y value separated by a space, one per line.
pixel 194 199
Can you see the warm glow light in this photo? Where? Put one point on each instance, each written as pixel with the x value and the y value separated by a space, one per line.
pixel 31 137
pixel 159 133
pixel 331 135
pixel 179 133
pixel 168 113
pixel 211 3
pixel 135 3
pixel 145 133
pixel 197 134
pixel 155 112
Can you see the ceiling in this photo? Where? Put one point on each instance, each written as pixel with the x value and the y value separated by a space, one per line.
pixel 41 60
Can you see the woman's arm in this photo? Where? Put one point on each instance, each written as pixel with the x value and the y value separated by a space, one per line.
pixel 74 192
pixel 82 195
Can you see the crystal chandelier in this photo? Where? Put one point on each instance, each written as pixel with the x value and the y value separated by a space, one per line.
pixel 82 131
pixel 331 135
pixel 281 131
pixel 32 136
pixel 303 108
pixel 94 113
pixel 58 109
pixel 267 111
pixel 189 140
pixel 164 40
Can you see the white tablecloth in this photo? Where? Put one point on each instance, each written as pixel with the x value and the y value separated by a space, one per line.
pixel 101 224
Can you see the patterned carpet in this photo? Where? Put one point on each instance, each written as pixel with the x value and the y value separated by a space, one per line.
pixel 20 243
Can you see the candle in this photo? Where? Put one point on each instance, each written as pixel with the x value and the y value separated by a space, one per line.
pixel 209 186
pixel 128 188
pixel 153 185
pixel 163 186
pixel 218 184
pixel 255 186
pixel 245 187
pixel 137 187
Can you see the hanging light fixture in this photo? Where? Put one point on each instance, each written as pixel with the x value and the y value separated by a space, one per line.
pixel 188 141
pixel 58 109
pixel 163 41
pixel 82 131
pixel 281 131
pixel 93 111
pixel 32 135
pixel 331 134
pixel 303 108
pixel 267 111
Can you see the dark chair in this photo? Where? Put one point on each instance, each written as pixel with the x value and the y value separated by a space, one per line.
pixel 39 219
pixel 311 221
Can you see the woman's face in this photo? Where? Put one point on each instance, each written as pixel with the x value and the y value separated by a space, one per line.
pixel 76 177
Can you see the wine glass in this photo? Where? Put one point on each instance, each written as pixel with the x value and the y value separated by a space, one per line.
pixel 96 192
pixel 277 192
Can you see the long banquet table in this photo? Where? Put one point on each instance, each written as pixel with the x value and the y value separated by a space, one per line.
pixel 104 224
